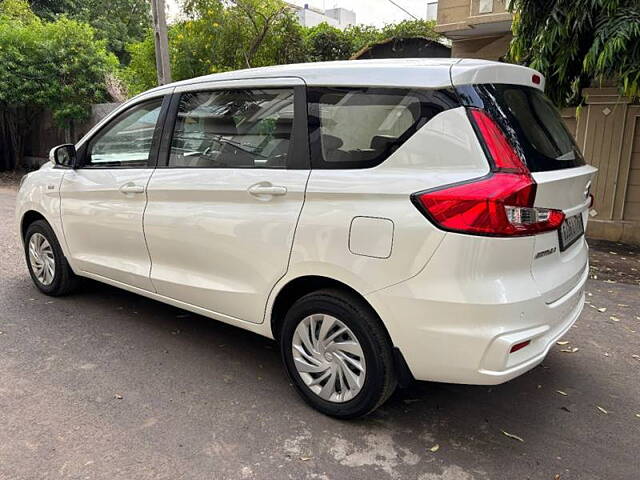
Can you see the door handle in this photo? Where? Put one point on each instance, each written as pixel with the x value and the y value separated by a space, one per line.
pixel 267 190
pixel 131 188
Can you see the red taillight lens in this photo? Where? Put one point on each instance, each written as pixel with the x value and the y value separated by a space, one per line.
pixel 498 205
pixel 503 155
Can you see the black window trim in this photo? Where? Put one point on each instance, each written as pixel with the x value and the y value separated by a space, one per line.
pixel 299 160
pixel 83 151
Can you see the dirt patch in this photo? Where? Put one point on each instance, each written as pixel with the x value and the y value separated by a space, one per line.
pixel 614 262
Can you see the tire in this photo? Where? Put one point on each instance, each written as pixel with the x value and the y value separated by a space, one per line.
pixel 362 326
pixel 63 280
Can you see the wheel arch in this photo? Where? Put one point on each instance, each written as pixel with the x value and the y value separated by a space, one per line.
pixel 27 219
pixel 298 287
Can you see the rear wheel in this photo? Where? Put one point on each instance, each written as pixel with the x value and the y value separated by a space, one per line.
pixel 47 264
pixel 337 354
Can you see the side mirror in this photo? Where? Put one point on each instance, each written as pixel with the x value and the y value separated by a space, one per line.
pixel 64 155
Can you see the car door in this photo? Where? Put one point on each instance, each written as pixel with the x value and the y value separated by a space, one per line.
pixel 103 199
pixel 223 208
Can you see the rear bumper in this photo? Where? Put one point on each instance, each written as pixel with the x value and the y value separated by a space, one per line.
pixel 463 332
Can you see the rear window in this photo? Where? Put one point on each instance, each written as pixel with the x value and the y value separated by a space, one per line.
pixel 533 124
pixel 361 127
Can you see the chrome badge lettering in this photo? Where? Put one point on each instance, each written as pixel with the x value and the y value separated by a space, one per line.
pixel 546 252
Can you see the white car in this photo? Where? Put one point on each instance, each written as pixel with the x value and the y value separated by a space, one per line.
pixel 382 220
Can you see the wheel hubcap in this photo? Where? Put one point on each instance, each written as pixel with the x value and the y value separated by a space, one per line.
pixel 328 357
pixel 41 257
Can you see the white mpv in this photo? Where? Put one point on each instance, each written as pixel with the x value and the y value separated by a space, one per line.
pixel 382 220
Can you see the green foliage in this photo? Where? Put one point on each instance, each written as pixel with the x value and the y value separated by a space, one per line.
pixel 217 36
pixel 55 65
pixel 324 42
pixel 573 42
pixel 221 35
pixel 117 22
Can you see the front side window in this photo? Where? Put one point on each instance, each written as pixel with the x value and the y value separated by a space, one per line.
pixel 126 142
pixel 243 128
pixel 361 127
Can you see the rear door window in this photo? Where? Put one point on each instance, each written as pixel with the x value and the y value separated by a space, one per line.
pixel 243 128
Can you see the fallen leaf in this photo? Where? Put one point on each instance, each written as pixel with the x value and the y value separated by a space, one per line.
pixel 606 354
pixel 601 409
pixel 117 396
pixel 511 435
pixel 435 448
pixel 614 319
pixel 637 357
pixel 562 343
pixel 565 409
pixel 622 305
pixel 304 459
pixel 562 393
pixel 602 310
pixel 570 350
pixel 638 415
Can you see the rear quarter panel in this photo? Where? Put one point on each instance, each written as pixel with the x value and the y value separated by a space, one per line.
pixel 443 151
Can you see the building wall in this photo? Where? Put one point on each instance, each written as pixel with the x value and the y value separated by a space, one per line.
pixel 476 28
pixel 485 48
pixel 336 17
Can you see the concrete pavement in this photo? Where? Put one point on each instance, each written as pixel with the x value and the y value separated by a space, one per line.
pixel 107 384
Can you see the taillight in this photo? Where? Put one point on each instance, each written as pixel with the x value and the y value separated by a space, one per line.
pixel 500 204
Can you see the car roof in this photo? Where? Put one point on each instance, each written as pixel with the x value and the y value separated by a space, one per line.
pixel 400 72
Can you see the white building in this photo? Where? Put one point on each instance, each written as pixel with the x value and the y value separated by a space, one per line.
pixel 336 17
pixel 432 9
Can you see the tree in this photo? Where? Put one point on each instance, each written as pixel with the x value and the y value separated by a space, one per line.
pixel 55 65
pixel 324 43
pixel 118 22
pixel 217 36
pixel 574 42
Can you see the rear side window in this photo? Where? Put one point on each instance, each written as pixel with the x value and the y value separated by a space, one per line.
pixel 533 124
pixel 361 127
pixel 244 128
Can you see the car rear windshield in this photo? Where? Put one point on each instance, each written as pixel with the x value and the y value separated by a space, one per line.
pixel 533 124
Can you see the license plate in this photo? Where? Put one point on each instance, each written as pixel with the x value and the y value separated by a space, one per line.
pixel 571 230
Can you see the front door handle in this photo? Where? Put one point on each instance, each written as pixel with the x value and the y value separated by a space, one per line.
pixel 267 190
pixel 131 188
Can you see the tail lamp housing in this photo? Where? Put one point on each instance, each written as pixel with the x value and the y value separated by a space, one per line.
pixel 499 204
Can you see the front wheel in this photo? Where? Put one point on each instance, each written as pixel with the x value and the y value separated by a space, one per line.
pixel 47 264
pixel 337 354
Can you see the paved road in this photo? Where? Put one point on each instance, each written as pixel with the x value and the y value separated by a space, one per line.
pixel 201 400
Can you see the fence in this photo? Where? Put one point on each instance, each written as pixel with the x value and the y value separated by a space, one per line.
pixel 607 129
pixel 45 134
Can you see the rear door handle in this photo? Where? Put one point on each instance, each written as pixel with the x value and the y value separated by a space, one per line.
pixel 267 190
pixel 131 188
